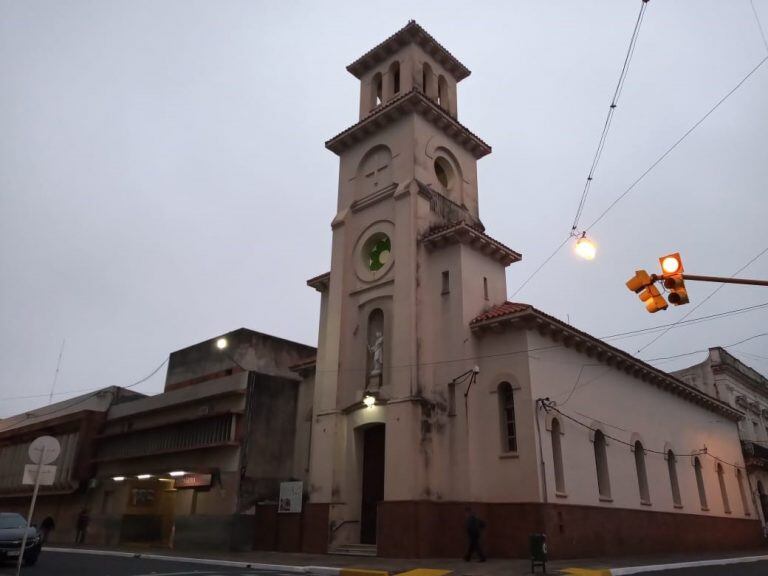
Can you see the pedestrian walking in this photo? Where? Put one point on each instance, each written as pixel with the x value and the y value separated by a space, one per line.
pixel 46 527
pixel 82 525
pixel 474 527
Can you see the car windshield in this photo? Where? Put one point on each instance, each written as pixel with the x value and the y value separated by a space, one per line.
pixel 11 521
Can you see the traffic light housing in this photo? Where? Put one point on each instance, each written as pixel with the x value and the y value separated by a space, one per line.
pixel 642 284
pixel 672 272
pixel 677 293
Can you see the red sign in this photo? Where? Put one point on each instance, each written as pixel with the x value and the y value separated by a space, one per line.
pixel 193 481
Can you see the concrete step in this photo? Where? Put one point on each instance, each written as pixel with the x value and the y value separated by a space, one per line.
pixel 354 550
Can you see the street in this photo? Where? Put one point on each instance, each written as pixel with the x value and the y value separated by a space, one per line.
pixel 58 564
pixel 745 569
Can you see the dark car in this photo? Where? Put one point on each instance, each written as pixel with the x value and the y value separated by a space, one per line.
pixel 12 528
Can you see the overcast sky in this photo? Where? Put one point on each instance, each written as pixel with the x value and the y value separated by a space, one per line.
pixel 163 177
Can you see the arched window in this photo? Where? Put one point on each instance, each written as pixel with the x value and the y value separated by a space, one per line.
pixel 394 70
pixel 427 80
pixel 742 492
pixel 700 483
pixel 557 456
pixel 442 92
pixel 723 490
pixel 672 467
pixel 642 476
pixel 375 171
pixel 507 413
pixel 377 90
pixel 601 463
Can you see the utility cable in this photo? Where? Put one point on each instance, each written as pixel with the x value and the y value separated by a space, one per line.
pixel 677 143
pixel 759 25
pixel 704 350
pixel 609 117
pixel 700 304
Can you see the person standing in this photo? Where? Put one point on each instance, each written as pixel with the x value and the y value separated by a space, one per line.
pixel 474 527
pixel 46 527
pixel 82 525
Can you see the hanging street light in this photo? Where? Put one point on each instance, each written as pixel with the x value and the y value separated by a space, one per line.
pixel 585 247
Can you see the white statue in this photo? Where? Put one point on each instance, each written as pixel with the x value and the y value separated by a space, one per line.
pixel 378 354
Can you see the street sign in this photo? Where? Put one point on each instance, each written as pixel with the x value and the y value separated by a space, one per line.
pixel 47 474
pixel 44 450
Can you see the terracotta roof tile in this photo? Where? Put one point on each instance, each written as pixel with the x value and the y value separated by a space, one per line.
pixel 501 310
pixel 466 232
pixel 410 33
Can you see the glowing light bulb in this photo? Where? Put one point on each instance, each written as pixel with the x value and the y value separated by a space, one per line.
pixel 369 401
pixel 585 247
pixel 221 343
pixel 670 264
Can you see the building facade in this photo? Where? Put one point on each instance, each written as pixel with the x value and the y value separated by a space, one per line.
pixel 433 393
pixel 199 464
pixel 725 377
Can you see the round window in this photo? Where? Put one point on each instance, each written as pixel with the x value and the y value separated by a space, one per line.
pixel 377 252
pixel 444 172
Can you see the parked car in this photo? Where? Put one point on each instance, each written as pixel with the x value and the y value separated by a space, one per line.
pixel 12 528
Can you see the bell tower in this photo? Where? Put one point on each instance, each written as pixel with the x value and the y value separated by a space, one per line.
pixel 411 265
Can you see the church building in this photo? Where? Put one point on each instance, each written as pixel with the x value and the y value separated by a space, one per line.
pixel 433 393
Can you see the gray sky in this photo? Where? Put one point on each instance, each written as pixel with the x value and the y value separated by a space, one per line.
pixel 163 177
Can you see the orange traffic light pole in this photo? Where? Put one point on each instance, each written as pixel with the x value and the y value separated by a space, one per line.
pixel 720 279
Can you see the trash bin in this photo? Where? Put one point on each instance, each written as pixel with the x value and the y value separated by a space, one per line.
pixel 538 545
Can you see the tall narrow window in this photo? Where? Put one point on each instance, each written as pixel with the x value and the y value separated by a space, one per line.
pixel 378 89
pixel 427 81
pixel 601 463
pixel 723 490
pixel 485 287
pixel 742 492
pixel 557 456
pixel 700 483
pixel 642 476
pixel 442 92
pixel 672 467
pixel 507 409
pixel 446 283
pixel 394 70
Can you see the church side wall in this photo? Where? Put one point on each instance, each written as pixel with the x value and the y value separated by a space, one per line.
pixel 630 409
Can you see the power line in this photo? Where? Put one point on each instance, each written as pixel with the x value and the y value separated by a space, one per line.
pixel 699 351
pixel 644 174
pixel 700 304
pixel 759 25
pixel 677 143
pixel 609 116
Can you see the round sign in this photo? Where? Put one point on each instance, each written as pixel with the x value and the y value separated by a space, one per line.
pixel 44 450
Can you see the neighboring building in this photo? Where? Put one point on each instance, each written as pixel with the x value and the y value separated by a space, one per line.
pixel 75 423
pixel 725 377
pixel 415 299
pixel 192 466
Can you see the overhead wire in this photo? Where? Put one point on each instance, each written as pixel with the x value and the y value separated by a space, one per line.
pixel 705 350
pixel 658 161
pixel 609 117
pixel 759 25
pixel 700 304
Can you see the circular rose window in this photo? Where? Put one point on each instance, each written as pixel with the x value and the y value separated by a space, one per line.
pixel 377 252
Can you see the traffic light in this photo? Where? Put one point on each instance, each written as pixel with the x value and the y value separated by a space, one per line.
pixel 672 272
pixel 642 284
pixel 653 299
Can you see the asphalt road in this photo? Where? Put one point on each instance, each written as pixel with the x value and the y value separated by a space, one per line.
pixel 58 564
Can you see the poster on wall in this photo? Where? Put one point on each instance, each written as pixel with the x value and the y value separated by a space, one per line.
pixel 290 497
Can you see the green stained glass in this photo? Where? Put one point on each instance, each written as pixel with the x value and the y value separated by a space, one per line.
pixel 378 253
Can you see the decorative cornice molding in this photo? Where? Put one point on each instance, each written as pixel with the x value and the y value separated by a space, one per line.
pixel 411 33
pixel 461 232
pixel 527 317
pixel 410 102
pixel 321 282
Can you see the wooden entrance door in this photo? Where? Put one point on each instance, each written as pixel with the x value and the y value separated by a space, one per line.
pixel 373 481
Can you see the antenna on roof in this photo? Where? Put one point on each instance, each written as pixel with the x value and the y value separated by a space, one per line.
pixel 56 374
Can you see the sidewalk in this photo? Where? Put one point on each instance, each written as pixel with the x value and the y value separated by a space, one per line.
pixel 492 567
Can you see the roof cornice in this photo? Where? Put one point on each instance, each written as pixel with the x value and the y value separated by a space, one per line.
pixel 321 282
pixel 411 33
pixel 463 233
pixel 523 316
pixel 414 101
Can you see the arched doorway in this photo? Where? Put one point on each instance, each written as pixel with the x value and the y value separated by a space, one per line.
pixel 373 481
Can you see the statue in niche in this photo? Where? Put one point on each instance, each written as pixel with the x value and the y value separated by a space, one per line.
pixel 375 349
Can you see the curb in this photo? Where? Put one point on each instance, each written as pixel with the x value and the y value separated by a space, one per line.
pixel 313 570
pixel 659 567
